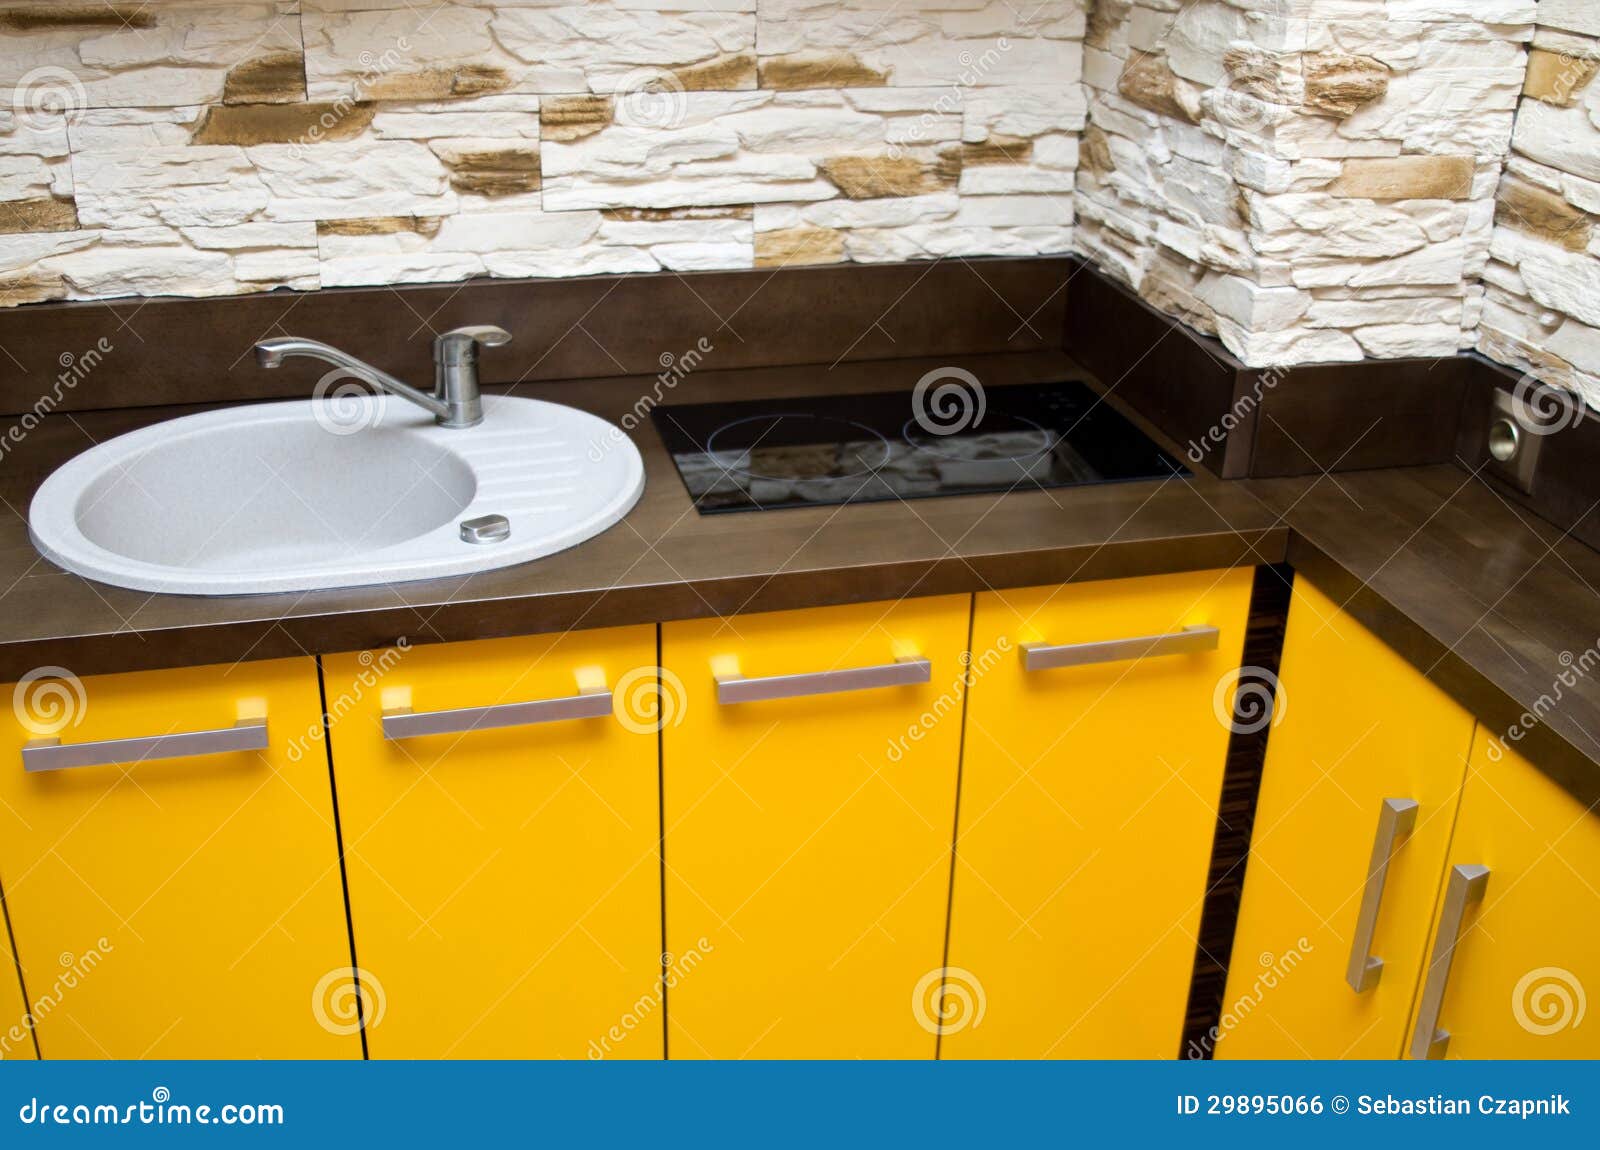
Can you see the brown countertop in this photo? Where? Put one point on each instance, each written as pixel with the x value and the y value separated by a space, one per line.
pixel 1494 604
pixel 1477 593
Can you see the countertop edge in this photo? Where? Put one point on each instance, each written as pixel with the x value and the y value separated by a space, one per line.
pixel 1575 770
pixel 133 649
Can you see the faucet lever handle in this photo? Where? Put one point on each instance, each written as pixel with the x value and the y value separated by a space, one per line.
pixel 485 333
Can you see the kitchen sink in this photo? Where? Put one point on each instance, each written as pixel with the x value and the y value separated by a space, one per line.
pixel 334 492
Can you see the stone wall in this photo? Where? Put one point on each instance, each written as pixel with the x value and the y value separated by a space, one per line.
pixel 1542 307
pixel 1309 179
pixel 199 147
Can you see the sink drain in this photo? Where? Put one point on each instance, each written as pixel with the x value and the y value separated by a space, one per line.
pixel 486 529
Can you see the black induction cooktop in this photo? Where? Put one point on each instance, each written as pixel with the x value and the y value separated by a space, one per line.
pixel 947 438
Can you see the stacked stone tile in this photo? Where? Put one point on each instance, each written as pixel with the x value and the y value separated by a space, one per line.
pixel 1542 306
pixel 198 147
pixel 1309 179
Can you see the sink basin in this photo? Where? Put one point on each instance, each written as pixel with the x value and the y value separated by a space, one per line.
pixel 331 493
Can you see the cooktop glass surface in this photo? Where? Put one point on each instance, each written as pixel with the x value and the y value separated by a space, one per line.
pixel 948 439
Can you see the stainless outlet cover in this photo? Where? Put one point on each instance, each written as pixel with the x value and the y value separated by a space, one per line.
pixel 1515 436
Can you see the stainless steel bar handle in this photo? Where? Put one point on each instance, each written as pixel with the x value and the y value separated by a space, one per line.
pixel 1467 884
pixel 1396 817
pixel 738 689
pixel 53 755
pixel 1046 656
pixel 404 723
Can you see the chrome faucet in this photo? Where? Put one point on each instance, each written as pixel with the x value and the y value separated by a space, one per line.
pixel 455 400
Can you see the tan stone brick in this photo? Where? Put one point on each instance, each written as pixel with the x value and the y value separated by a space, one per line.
pixel 437 83
pixel 724 74
pixel 803 245
pixel 997 150
pixel 380 226
pixel 42 214
pixel 245 124
pixel 43 17
pixel 1339 83
pixel 491 171
pixel 565 118
pixel 818 70
pixel 1406 178
pixel 1541 212
pixel 1150 82
pixel 873 177
pixel 1557 77
pixel 276 78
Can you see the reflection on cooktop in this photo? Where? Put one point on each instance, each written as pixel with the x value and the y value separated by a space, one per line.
pixel 954 439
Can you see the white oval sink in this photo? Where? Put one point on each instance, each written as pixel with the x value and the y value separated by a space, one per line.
pixel 314 494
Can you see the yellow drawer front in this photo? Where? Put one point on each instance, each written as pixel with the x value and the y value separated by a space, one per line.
pixel 808 838
pixel 1088 806
pixel 177 907
pixel 1525 977
pixel 1360 726
pixel 505 882
pixel 16 1041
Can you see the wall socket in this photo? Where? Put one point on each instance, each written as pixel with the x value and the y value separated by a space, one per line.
pixel 1515 436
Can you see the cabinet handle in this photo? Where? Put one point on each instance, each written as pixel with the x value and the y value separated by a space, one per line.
pixel 1396 817
pixel 53 755
pixel 1467 884
pixel 404 723
pixel 900 673
pixel 1046 656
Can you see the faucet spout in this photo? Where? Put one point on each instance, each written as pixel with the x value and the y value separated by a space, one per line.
pixel 456 400
pixel 272 352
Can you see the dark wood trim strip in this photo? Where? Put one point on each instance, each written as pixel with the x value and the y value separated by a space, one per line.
pixel 1236 815
pixel 1176 378
pixel 172 351
pixel 1261 422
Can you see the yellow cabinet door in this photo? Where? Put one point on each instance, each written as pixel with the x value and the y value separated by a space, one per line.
pixel 808 834
pixel 1521 903
pixel 1089 794
pixel 16 1037
pixel 505 880
pixel 172 903
pixel 1358 797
